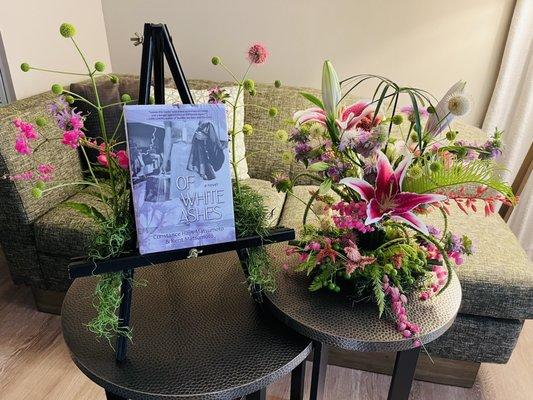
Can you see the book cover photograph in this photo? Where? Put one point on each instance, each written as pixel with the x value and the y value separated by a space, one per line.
pixel 180 175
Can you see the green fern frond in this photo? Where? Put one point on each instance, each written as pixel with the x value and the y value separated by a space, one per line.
pixel 377 287
pixel 477 172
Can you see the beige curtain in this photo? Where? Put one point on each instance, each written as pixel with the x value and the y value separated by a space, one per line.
pixel 511 109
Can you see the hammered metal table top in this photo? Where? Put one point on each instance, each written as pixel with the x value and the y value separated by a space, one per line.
pixel 197 334
pixel 338 321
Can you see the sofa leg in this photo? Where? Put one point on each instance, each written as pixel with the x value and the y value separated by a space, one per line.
pixel 48 301
pixel 444 371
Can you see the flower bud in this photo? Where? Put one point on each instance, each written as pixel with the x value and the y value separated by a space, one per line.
pixel 99 66
pixel 247 129
pixel 281 135
pixel 451 135
pixel 113 78
pixel 40 185
pixel 25 67
pixel 215 60
pixel 431 110
pixel 57 88
pixel 253 92
pixel 40 121
pixel 397 119
pixel 67 30
pixel 125 98
pixel 249 84
pixel 277 83
pixel 272 111
pixel 331 89
pixel 37 193
pixel 69 99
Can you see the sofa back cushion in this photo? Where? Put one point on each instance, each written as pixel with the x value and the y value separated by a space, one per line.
pixel 265 154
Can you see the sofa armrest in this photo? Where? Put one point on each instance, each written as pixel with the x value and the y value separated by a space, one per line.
pixel 18 208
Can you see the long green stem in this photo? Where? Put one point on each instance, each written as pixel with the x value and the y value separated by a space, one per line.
pixel 58 72
pixel 101 121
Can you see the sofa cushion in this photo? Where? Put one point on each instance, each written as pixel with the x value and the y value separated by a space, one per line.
pixel 64 231
pixel 497 281
pixel 273 200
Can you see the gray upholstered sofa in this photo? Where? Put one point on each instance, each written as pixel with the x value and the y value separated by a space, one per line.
pixel 39 237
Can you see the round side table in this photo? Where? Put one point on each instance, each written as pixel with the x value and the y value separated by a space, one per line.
pixel 331 320
pixel 197 334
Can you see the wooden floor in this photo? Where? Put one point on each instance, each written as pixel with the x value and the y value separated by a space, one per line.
pixel 35 364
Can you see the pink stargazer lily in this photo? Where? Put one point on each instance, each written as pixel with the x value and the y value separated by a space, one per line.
pixel 349 117
pixel 387 198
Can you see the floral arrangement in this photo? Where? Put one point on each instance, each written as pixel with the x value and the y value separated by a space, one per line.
pixel 108 180
pixel 379 168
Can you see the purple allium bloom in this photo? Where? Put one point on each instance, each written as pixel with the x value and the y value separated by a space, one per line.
pixel 301 150
pixel 492 149
pixel 57 105
pixel 298 136
pixel 433 231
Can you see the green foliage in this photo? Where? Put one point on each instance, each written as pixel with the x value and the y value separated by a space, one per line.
pixel 260 269
pixel 313 99
pixel 478 172
pixel 88 211
pixel 106 301
pixel 111 240
pixel 376 276
pixel 250 212
pixel 251 217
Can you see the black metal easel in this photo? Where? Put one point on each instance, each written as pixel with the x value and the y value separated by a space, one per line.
pixel 157 46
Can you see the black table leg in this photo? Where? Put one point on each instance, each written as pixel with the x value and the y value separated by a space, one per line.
pixel 259 395
pixel 298 382
pixel 112 396
pixel 320 366
pixel 403 374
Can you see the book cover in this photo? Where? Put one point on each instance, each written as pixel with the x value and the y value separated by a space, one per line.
pixel 180 175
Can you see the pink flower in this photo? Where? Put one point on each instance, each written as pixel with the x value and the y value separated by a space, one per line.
pixel 356 259
pixel 386 197
pixel 102 160
pixel 257 53
pixel 45 172
pixel 23 176
pixel 353 116
pixel 22 146
pixel 122 159
pixel 71 138
pixel 26 129
pixel 76 121
pixel 409 111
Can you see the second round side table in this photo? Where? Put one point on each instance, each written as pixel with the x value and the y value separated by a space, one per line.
pixel 333 320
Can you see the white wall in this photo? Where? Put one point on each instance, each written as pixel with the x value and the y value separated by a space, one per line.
pixel 30 31
pixel 427 43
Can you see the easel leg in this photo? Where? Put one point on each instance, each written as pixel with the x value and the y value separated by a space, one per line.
pixel 259 395
pixel 124 313
pixel 298 382
pixel 112 396
pixel 320 366
pixel 403 374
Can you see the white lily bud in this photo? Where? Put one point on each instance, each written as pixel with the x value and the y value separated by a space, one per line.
pixel 331 88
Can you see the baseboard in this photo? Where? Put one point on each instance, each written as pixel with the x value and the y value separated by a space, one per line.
pixel 443 370
pixel 48 301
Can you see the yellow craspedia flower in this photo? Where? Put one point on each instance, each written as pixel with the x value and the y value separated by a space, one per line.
pixel 281 135
pixel 287 157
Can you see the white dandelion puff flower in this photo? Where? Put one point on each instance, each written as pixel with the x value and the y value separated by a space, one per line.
pixel 458 104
